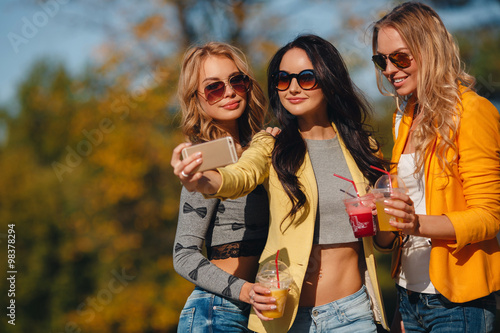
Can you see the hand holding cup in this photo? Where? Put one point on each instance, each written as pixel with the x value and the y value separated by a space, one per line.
pixel 387 186
pixel 359 209
pixel 275 276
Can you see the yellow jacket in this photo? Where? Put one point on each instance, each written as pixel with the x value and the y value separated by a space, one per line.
pixel 294 241
pixel 468 268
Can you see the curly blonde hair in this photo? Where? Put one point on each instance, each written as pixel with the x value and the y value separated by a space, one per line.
pixel 440 74
pixel 197 125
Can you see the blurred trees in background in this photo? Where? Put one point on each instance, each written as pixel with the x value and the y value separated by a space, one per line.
pixel 86 179
pixel 480 50
pixel 86 175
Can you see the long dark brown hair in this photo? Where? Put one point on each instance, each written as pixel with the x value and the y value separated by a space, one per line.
pixel 347 109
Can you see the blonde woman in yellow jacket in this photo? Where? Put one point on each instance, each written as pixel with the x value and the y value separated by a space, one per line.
pixel 446 261
pixel 322 132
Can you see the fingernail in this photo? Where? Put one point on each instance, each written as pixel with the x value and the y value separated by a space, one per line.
pixel 198 160
pixel 273 307
pixel 386 210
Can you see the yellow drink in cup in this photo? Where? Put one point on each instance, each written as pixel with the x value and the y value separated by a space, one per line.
pixel 383 217
pixel 278 284
pixel 281 296
pixel 382 191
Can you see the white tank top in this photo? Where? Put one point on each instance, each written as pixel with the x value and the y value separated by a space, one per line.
pixel 416 252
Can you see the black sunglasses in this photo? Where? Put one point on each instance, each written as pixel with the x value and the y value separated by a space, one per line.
pixel 214 92
pixel 400 59
pixel 306 80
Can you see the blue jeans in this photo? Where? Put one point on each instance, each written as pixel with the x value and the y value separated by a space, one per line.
pixel 205 312
pixel 435 313
pixel 348 314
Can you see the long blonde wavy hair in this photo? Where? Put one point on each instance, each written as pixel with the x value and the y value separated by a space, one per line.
pixel 196 124
pixel 440 73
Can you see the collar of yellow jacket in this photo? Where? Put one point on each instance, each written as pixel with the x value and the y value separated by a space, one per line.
pixel 404 128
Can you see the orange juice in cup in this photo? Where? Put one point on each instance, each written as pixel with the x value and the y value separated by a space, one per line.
pixel 281 296
pixel 382 190
pixel 278 283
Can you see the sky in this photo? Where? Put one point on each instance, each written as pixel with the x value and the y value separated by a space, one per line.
pixel 59 30
pixel 30 31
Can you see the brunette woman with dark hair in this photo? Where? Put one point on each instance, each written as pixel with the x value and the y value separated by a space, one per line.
pixel 322 117
pixel 346 108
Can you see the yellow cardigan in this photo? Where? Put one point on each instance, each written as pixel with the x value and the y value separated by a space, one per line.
pixel 468 268
pixel 294 241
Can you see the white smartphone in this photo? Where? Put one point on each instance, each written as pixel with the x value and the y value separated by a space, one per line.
pixel 216 153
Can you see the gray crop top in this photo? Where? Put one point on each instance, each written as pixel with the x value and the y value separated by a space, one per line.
pixel 332 222
pixel 230 228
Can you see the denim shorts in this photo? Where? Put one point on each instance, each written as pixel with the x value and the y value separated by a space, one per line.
pixel 435 313
pixel 205 312
pixel 348 314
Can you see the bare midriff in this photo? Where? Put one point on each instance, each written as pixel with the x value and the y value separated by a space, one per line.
pixel 333 273
pixel 242 267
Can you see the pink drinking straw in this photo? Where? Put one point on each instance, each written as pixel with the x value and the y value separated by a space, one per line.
pixel 277 270
pixel 386 172
pixel 350 181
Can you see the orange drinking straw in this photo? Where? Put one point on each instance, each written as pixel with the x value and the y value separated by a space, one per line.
pixel 384 171
pixel 350 181
pixel 277 270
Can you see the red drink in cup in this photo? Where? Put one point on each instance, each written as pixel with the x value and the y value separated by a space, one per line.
pixel 360 215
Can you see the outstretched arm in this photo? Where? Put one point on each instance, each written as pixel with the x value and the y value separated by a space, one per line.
pixel 206 182
pixel 210 181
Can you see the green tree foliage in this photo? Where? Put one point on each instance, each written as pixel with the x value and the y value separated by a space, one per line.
pixel 480 50
pixel 86 180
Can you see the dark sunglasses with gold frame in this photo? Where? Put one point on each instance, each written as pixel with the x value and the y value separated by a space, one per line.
pixel 214 92
pixel 400 59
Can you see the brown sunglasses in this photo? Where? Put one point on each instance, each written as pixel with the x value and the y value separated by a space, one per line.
pixel 214 92
pixel 400 59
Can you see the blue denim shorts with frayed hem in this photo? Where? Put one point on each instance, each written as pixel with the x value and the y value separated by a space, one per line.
pixel 348 314
pixel 205 312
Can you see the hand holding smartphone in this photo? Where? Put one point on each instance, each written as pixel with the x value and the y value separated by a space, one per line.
pixel 216 153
